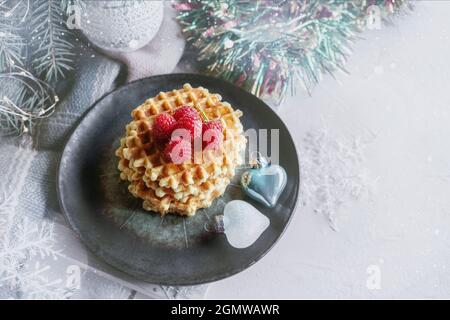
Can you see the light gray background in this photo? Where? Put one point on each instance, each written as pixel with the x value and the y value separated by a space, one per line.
pixel 398 94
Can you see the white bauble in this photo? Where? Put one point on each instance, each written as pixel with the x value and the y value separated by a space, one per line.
pixel 119 25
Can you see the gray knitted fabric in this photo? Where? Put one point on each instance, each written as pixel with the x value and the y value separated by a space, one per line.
pixel 94 76
pixel 40 257
pixel 37 159
pixel 28 202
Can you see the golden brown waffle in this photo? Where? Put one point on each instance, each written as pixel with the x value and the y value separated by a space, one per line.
pixel 179 188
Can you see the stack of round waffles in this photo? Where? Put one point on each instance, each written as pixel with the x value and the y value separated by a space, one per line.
pixel 179 188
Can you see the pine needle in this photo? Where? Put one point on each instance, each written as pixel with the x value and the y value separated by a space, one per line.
pixel 52 55
pixel 35 51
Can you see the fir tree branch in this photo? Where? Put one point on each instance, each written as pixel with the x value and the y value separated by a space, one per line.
pixel 11 48
pixel 12 44
pixel 52 56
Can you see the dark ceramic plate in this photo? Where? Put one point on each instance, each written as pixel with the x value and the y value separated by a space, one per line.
pixel 171 250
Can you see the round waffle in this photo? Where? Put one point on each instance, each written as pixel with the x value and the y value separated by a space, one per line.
pixel 179 188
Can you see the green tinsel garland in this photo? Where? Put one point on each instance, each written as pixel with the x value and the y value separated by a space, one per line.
pixel 263 46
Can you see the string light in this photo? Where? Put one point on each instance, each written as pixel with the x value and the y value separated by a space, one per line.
pixel 31 99
pixel 28 95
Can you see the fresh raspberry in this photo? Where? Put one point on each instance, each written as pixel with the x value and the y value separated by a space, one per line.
pixel 178 151
pixel 185 111
pixel 212 134
pixel 163 127
pixel 213 124
pixel 192 124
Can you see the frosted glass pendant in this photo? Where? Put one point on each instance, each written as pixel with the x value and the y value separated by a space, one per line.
pixel 242 223
pixel 264 183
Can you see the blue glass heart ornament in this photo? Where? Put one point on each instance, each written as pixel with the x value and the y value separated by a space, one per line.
pixel 264 184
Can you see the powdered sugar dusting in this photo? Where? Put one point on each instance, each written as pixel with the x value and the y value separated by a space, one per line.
pixel 332 173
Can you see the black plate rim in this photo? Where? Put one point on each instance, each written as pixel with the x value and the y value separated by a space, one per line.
pixel 104 256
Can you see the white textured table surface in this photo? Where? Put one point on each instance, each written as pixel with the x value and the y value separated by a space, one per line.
pixel 396 105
